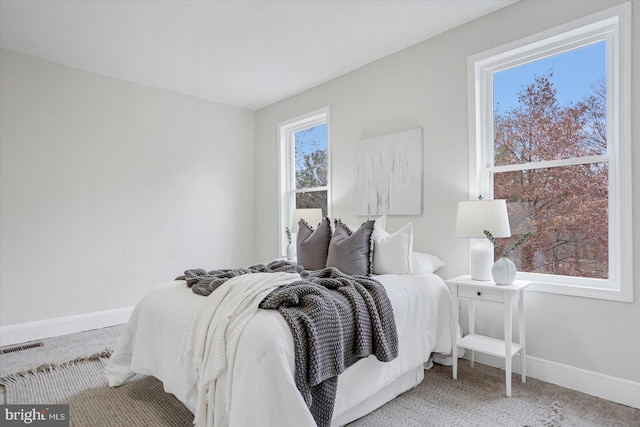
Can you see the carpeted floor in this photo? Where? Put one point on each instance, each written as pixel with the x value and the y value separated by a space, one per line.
pixel 476 399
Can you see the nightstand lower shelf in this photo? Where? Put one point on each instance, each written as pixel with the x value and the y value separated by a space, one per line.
pixel 488 345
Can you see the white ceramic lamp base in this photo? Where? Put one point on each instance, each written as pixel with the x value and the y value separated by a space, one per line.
pixel 480 262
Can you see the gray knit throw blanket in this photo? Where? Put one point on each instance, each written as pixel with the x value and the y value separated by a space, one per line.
pixel 203 282
pixel 335 320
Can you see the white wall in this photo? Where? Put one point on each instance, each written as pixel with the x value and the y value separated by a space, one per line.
pixel 425 86
pixel 109 188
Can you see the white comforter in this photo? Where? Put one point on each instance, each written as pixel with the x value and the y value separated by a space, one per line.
pixel 251 380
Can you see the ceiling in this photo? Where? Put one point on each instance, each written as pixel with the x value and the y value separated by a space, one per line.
pixel 248 54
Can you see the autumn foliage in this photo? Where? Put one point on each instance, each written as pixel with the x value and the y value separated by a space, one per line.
pixel 565 207
pixel 311 170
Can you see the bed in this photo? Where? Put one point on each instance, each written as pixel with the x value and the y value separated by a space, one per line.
pixel 263 391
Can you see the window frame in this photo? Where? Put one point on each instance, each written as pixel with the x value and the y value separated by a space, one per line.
pixel 286 167
pixel 613 26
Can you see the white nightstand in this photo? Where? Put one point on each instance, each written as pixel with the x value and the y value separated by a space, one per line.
pixel 463 288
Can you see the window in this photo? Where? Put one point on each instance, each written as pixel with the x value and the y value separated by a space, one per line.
pixel 304 167
pixel 550 133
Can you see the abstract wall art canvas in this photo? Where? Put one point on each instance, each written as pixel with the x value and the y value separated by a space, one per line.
pixel 389 174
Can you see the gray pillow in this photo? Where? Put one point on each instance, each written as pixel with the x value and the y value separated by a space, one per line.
pixel 351 252
pixel 313 245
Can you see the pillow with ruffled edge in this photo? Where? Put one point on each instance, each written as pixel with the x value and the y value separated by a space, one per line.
pixel 424 263
pixel 379 224
pixel 351 252
pixel 392 252
pixel 313 245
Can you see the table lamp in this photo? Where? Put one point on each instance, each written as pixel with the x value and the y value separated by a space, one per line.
pixel 473 218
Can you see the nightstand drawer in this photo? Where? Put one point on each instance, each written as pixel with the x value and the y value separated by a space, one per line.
pixel 481 294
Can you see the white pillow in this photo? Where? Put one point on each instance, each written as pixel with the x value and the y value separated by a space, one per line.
pixel 392 252
pixel 425 263
pixel 381 223
pixel 378 228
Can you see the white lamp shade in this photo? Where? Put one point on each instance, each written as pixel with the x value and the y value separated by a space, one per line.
pixel 312 216
pixel 475 216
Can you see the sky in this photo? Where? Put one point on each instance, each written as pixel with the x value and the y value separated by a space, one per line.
pixel 573 73
pixel 319 133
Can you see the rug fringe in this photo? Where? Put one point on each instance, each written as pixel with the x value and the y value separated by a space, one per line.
pixel 49 367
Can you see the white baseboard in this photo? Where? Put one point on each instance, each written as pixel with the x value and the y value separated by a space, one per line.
pixel 30 331
pixel 615 389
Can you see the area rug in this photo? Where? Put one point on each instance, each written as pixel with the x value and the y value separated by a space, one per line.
pixel 476 399
pixel 81 383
